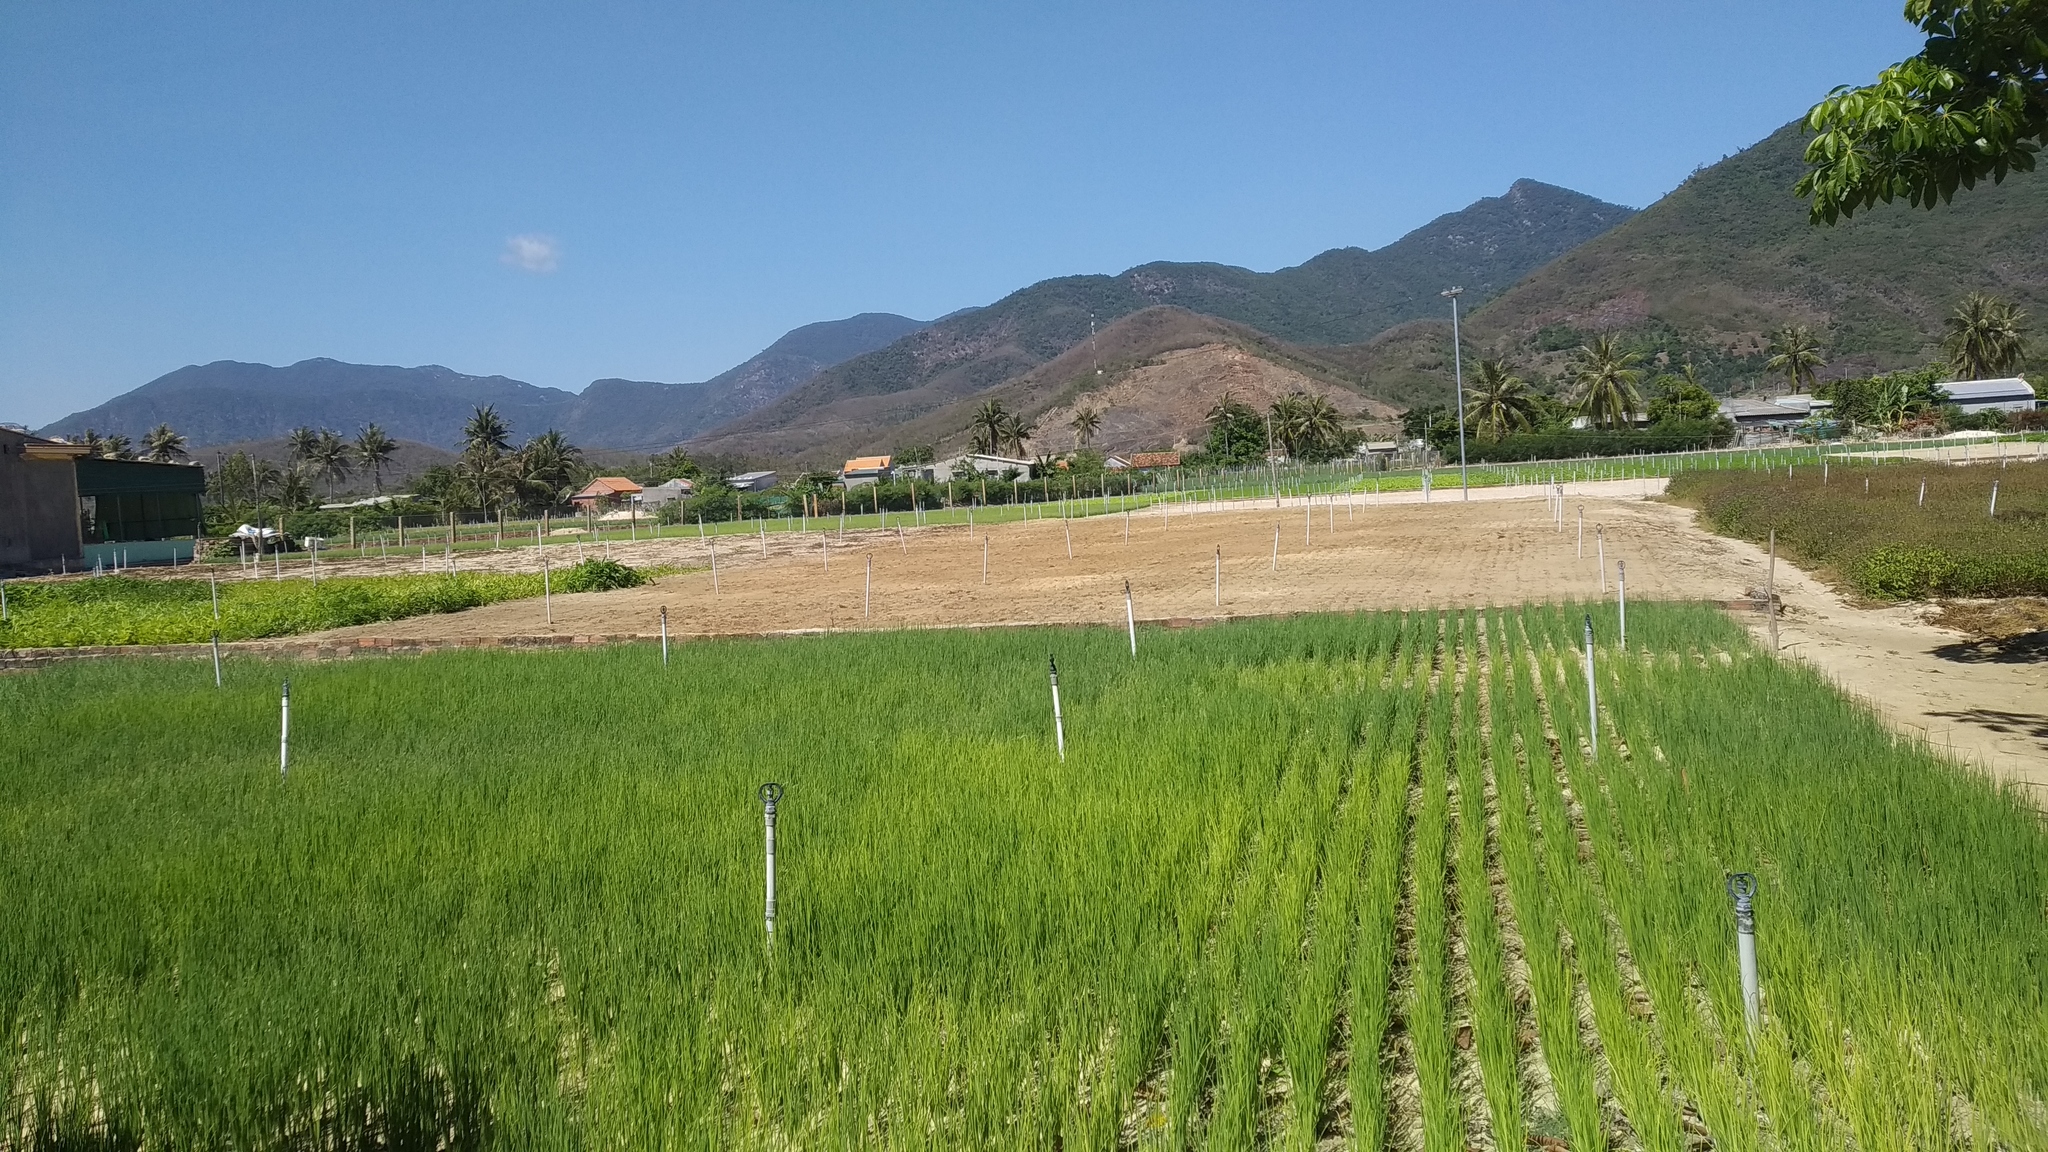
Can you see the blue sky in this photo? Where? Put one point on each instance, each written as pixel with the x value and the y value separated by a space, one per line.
pixel 564 192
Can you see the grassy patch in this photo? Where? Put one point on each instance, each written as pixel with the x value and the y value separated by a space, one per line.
pixel 1867 526
pixel 127 610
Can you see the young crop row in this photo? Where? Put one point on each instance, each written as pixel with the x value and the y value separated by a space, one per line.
pixel 1361 881
pixel 129 610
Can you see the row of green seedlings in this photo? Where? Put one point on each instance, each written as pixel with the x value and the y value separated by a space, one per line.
pixel 1911 1051
pixel 1922 1034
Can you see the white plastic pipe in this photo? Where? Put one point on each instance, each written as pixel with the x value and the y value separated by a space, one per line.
pixel 771 794
pixel 1592 695
pixel 216 659
pixel 1059 727
pixel 1131 619
pixel 1742 886
pixel 664 635
pixel 284 732
pixel 1621 600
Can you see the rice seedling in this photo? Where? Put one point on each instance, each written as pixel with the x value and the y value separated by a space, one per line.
pixel 500 902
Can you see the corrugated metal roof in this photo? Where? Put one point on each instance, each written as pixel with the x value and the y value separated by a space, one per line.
pixel 866 464
pixel 609 486
pixel 2010 388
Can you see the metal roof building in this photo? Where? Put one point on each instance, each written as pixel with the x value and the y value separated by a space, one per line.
pixel 2011 394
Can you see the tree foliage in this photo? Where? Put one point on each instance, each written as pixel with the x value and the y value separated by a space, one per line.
pixel 1986 338
pixel 1796 355
pixel 1972 105
pixel 1499 402
pixel 1603 380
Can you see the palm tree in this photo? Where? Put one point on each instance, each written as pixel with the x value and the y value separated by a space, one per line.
pixel 1795 353
pixel 116 448
pixel 1604 380
pixel 1084 424
pixel 1319 426
pixel 988 423
pixel 162 445
pixel 295 487
pixel 301 442
pixel 94 444
pixel 486 479
pixel 1015 431
pixel 549 466
pixel 1498 401
pixel 1289 416
pixel 373 450
pixel 263 474
pixel 486 429
pixel 330 458
pixel 1985 338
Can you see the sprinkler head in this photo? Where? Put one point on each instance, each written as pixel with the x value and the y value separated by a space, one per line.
pixel 771 792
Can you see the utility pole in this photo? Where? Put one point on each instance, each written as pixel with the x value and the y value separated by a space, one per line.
pixel 1458 379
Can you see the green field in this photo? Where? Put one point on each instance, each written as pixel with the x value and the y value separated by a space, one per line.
pixel 131 610
pixel 1328 879
pixel 1894 530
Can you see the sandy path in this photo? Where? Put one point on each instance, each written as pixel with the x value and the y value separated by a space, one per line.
pixel 1498 549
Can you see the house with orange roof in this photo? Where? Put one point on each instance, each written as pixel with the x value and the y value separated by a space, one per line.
pixel 605 491
pixel 864 470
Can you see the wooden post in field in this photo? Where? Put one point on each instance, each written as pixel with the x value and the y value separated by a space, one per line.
pixel 1771 590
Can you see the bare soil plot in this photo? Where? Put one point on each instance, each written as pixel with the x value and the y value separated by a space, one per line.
pixel 1495 550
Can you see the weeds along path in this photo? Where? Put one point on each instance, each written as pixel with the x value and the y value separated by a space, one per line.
pixel 1331 882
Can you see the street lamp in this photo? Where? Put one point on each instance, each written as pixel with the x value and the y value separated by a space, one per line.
pixel 1458 369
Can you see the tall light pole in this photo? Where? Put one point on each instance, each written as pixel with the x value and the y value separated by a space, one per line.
pixel 1458 371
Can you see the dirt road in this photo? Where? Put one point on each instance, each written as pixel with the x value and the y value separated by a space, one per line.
pixel 1501 548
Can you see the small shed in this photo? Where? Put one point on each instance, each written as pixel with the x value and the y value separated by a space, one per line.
pixel 752 482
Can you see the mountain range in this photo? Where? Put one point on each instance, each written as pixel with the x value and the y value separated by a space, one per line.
pixel 1704 275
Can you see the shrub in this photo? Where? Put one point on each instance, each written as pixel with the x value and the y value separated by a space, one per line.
pixel 600 576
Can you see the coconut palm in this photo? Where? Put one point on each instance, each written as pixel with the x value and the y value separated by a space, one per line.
pixel 1015 431
pixel 485 479
pixel 373 450
pixel 162 445
pixel 1287 420
pixel 550 465
pixel 988 423
pixel 301 443
pixel 1319 427
pixel 1986 338
pixel 295 487
pixel 1796 354
pixel 1084 424
pixel 117 447
pixel 1603 380
pixel 1499 401
pixel 486 429
pixel 330 459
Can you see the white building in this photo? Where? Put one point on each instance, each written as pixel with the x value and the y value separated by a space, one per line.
pixel 2009 395
pixel 668 491
pixel 969 465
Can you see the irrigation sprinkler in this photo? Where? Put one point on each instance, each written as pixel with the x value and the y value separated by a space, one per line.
pixel 764 537
pixel 1771 590
pixel 1600 542
pixel 1994 499
pixel 713 545
pixel 1592 695
pixel 216 658
pixel 664 635
pixel 3 604
pixel 1922 502
pixel 1131 619
pixel 1621 600
pixel 867 591
pixel 1308 515
pixel 984 561
pixel 1742 886
pixel 1219 575
pixel 1069 526
pixel 1276 547
pixel 771 795
pixel 284 732
pixel 547 592
pixel 1059 726
pixel 1582 531
pixel 904 545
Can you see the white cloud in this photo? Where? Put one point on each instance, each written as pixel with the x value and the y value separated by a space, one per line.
pixel 533 252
